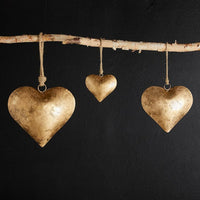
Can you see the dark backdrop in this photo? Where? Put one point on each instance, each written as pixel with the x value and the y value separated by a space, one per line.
pixel 110 150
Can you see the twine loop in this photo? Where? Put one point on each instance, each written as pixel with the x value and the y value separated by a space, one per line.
pixel 167 85
pixel 41 78
pixel 101 58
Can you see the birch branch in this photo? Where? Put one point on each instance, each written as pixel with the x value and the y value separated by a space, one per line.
pixel 114 44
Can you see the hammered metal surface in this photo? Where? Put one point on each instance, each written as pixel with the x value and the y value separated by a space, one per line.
pixel 167 108
pixel 100 86
pixel 41 115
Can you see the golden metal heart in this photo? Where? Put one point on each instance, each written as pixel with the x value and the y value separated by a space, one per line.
pixel 41 114
pixel 167 107
pixel 100 86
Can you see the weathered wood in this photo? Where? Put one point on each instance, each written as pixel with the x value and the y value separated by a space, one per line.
pixel 114 44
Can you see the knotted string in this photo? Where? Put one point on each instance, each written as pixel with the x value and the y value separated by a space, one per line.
pixel 42 78
pixel 167 68
pixel 167 74
pixel 101 57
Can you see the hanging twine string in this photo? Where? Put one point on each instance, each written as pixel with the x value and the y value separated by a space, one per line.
pixel 42 78
pixel 101 57
pixel 167 68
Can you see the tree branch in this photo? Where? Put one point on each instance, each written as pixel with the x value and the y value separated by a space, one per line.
pixel 114 44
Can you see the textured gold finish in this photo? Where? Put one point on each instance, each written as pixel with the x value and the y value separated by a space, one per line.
pixel 167 107
pixel 41 114
pixel 100 86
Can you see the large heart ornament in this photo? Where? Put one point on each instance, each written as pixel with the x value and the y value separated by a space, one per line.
pixel 41 114
pixel 100 86
pixel 167 107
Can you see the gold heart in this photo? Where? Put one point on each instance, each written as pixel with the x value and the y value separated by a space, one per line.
pixel 100 86
pixel 41 114
pixel 167 107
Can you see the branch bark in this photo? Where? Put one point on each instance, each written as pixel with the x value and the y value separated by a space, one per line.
pixel 114 44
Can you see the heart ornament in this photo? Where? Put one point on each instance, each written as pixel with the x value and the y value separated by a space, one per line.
pixel 101 85
pixel 41 114
pixel 167 107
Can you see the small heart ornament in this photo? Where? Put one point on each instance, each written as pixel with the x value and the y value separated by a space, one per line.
pixel 41 114
pixel 100 85
pixel 167 107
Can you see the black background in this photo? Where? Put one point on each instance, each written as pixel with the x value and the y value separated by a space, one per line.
pixel 111 150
